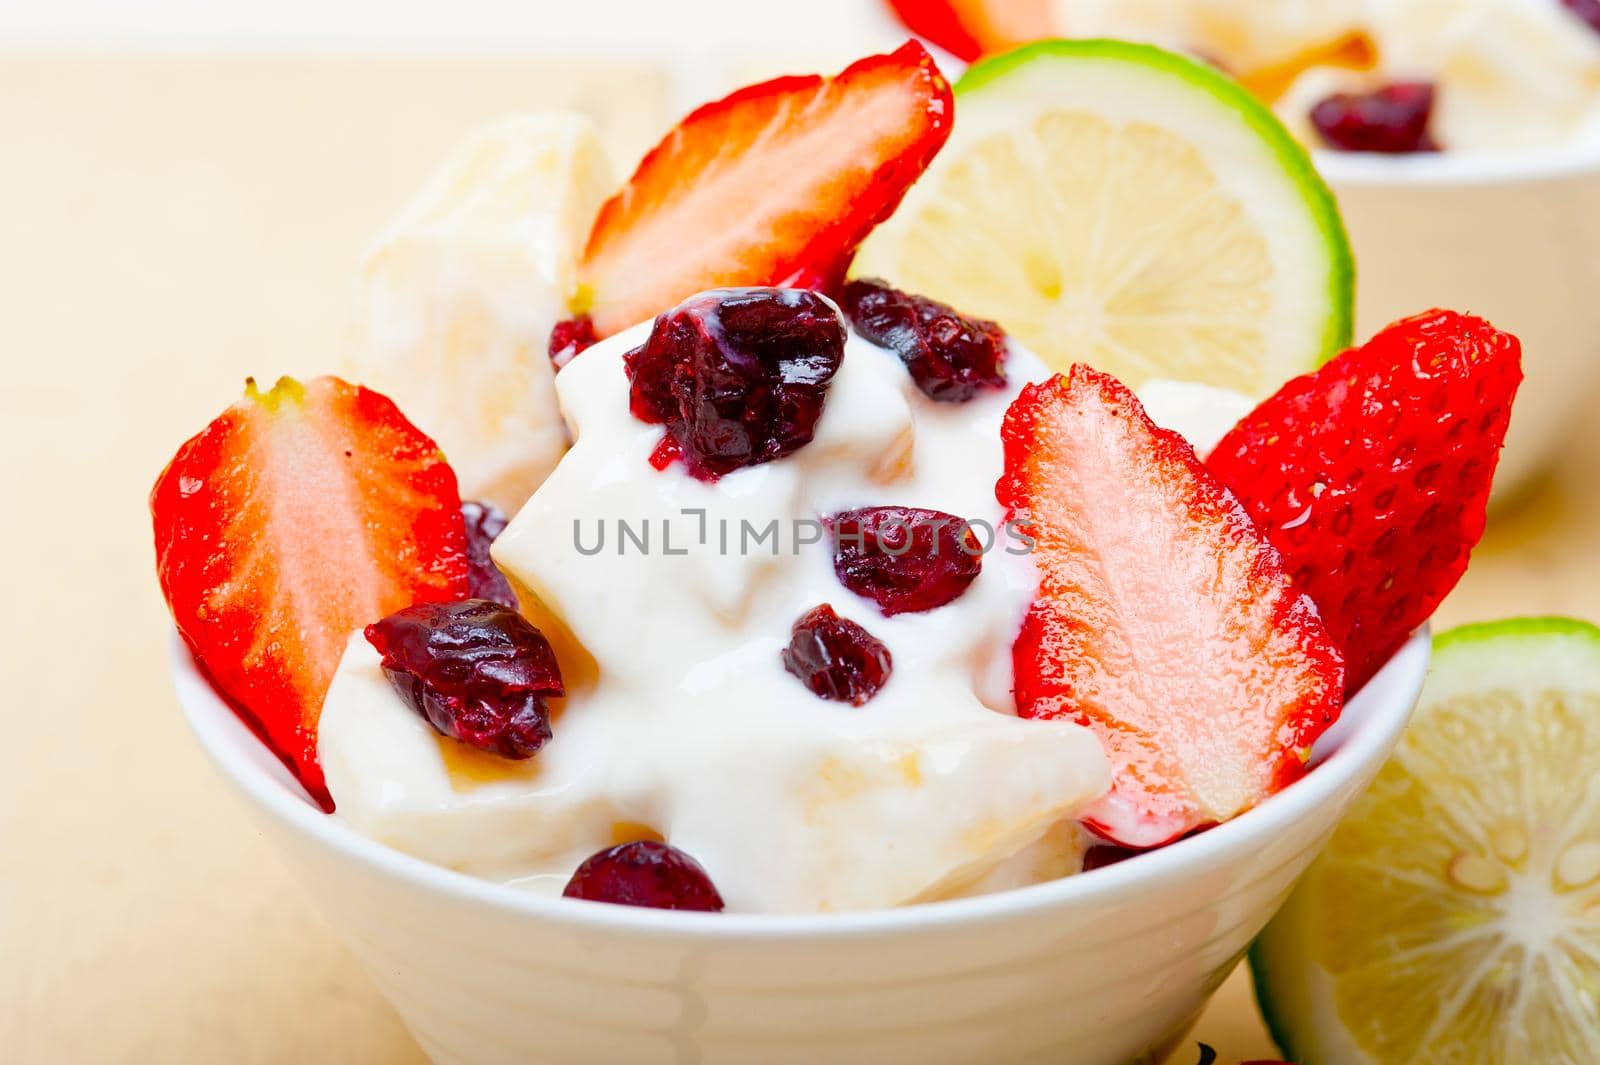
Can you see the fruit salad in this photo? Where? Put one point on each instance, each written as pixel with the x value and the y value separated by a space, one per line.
pixel 842 596
pixel 1393 76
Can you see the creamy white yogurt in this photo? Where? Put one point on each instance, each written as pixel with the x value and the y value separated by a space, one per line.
pixel 680 717
pixel 1203 414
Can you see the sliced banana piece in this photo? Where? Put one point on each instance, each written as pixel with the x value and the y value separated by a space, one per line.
pixel 456 299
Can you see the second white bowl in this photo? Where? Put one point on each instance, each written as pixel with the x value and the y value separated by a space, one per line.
pixel 1515 239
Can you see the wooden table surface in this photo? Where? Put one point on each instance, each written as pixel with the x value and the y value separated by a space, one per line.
pixel 166 227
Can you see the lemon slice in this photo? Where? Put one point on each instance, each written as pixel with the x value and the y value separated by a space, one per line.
pixel 1455 916
pixel 1120 205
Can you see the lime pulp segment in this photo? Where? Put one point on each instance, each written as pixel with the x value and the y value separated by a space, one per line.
pixel 1116 204
pixel 1455 915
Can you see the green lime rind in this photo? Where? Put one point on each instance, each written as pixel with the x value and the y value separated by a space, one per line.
pixel 1291 156
pixel 1516 628
pixel 1549 650
pixel 1516 654
pixel 1261 980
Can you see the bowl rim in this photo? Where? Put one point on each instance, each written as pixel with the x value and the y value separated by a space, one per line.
pixel 1457 168
pixel 1386 703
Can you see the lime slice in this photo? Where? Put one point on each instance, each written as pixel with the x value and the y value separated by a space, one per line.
pixel 1117 204
pixel 1455 916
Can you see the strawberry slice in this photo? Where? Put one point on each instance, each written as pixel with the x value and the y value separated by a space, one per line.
pixel 970 29
pixel 1372 474
pixel 1164 621
pixel 294 519
pixel 774 185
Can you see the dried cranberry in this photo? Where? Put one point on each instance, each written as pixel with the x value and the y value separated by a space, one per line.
pixel 738 376
pixel 645 873
pixel 836 658
pixel 905 559
pixel 485 523
pixel 1588 10
pixel 569 337
pixel 950 357
pixel 1393 119
pixel 1103 854
pixel 474 669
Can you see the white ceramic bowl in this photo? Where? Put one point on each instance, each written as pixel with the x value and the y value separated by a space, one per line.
pixel 1513 238
pixel 1100 969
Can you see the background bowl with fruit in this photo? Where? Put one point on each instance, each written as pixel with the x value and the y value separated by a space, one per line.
pixel 1422 229
pixel 1462 141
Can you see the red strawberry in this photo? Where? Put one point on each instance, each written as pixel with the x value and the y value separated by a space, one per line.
pixel 969 29
pixel 1372 474
pixel 293 520
pixel 1163 621
pixel 773 185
